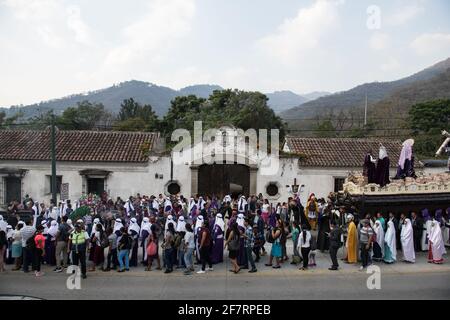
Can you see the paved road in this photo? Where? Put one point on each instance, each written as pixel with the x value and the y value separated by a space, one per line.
pixel 398 281
pixel 219 286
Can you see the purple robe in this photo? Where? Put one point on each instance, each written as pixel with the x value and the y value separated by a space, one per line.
pixel 273 220
pixel 217 250
pixel 382 172
pixel 369 169
pixel 407 171
pixel 242 255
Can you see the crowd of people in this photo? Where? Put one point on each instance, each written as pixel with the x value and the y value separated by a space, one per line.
pixel 168 233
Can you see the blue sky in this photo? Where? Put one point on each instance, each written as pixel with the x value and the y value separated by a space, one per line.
pixel 52 48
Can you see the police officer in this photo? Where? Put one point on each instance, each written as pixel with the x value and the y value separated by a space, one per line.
pixel 77 244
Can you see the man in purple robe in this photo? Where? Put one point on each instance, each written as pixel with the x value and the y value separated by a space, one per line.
pixel 218 229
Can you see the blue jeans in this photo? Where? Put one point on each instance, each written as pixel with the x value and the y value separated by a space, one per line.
pixel 180 258
pixel 188 258
pixel 168 257
pixel 124 254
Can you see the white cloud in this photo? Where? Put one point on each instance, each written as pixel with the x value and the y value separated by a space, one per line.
pixel 404 15
pixel 78 26
pixel 391 64
pixel 163 23
pixel 379 41
pixel 431 44
pixel 300 35
pixel 51 20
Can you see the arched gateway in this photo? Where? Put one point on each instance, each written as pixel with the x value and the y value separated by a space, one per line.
pixel 223 179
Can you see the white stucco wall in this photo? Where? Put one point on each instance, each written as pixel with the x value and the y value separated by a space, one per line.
pixel 131 178
pixel 124 180
pixel 319 181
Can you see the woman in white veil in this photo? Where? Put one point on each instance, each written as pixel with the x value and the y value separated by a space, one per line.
pixel 390 244
pixel 407 240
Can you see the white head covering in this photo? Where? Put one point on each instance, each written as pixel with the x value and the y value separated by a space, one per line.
pixel 117 225
pixel 383 153
pixel 219 221
pixel 134 226
pixel 198 223
pixel 241 204
pixel 170 220
pixel 380 235
pixel 406 152
pixel 94 225
pixel 9 231
pixel 3 224
pixel 155 204
pixel 201 203
pixel 391 240
pixel 129 206
pixel 350 217
pixel 406 236
pixel 80 221
pixel 145 225
pixel 44 224
pixel 191 204
pixel 437 241
pixel 69 223
pixel 181 225
pixel 53 228
pixel 240 220
pixel 167 204
pixel 227 198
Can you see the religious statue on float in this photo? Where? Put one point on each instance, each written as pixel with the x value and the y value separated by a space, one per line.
pixel 377 171
pixel 369 169
pixel 445 147
pixel 405 167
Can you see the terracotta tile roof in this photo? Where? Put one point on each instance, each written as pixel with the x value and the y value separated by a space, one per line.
pixel 90 146
pixel 340 152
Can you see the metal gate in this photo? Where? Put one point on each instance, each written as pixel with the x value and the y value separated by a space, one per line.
pixel 223 179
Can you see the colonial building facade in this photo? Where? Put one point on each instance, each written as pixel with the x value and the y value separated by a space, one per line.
pixel 127 163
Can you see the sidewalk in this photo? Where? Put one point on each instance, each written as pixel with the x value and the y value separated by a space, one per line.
pixel 322 259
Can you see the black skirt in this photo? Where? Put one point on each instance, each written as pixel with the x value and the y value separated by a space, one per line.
pixel 232 254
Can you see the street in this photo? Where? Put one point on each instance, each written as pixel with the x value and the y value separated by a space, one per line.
pixel 399 281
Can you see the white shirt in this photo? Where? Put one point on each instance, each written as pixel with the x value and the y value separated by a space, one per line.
pixel 189 239
pixel 307 242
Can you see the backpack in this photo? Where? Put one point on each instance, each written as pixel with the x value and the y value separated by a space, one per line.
pixel 269 237
pixel 30 243
pixel 64 232
pixel 177 242
pixel 104 242
pixel 151 248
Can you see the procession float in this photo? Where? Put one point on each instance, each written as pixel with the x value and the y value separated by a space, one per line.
pixel 373 191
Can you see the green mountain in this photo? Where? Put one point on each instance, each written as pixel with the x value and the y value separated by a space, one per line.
pixel 354 98
pixel 158 97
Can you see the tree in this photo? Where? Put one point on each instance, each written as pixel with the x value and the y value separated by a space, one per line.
pixel 8 121
pixel 182 113
pixel 135 117
pixel 427 120
pixel 325 129
pixel 83 117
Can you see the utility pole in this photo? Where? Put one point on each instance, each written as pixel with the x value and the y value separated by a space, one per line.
pixel 365 112
pixel 53 154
